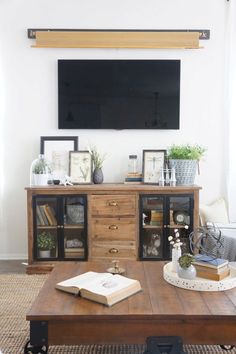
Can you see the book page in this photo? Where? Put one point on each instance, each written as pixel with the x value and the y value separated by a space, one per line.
pixel 82 281
pixel 108 285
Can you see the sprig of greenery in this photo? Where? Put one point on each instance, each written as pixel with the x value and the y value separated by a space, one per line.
pixel 96 157
pixel 41 166
pixel 186 152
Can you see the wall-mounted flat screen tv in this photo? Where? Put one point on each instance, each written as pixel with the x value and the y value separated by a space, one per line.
pixel 118 94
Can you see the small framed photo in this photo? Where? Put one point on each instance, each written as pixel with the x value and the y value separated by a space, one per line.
pixel 56 151
pixel 153 163
pixel 80 167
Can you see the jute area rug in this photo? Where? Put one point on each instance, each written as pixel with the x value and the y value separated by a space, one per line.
pixel 17 291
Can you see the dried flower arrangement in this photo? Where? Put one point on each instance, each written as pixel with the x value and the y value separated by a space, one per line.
pixel 175 241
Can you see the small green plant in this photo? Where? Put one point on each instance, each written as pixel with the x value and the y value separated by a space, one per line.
pixel 96 157
pixel 46 241
pixel 186 152
pixel 186 260
pixel 40 166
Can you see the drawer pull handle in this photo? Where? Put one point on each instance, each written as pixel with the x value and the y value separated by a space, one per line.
pixel 113 250
pixel 113 203
pixel 113 227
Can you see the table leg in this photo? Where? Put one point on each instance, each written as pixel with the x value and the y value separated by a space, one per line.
pixel 38 343
pixel 158 345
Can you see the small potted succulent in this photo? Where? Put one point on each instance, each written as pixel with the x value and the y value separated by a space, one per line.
pixel 184 160
pixel 40 171
pixel 45 243
pixel 186 268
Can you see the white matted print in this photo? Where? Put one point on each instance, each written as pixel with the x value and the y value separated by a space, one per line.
pixel 153 164
pixel 80 167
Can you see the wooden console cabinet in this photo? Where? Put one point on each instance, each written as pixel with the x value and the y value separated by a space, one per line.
pixel 118 221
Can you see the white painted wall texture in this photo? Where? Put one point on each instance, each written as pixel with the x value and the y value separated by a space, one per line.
pixel 28 93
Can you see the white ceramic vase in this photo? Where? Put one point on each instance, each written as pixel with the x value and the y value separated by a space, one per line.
pixel 44 253
pixel 187 273
pixel 40 179
pixel 176 253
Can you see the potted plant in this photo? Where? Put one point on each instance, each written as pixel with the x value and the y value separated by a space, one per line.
pixel 40 171
pixel 186 269
pixel 45 243
pixel 97 160
pixel 183 159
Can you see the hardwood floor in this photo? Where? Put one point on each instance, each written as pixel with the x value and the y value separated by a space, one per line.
pixel 12 266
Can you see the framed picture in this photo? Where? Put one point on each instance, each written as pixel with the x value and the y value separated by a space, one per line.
pixel 56 151
pixel 153 163
pixel 80 167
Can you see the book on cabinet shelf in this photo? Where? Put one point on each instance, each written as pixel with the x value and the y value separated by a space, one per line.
pixel 105 288
pixel 49 214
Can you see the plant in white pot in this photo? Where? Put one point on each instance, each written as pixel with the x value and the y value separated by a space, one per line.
pixel 40 172
pixel 45 243
pixel 186 269
pixel 184 159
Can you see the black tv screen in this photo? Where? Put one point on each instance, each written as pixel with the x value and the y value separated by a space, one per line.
pixel 118 94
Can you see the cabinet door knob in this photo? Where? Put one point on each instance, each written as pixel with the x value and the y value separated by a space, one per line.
pixel 113 250
pixel 113 227
pixel 113 203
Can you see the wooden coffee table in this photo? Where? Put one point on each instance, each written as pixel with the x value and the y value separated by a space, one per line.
pixel 160 309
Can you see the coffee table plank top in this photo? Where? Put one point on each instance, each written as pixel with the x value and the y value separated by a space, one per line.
pixel 158 299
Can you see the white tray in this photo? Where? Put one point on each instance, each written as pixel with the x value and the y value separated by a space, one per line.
pixel 199 284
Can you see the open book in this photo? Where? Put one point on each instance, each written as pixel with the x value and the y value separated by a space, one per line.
pixel 106 288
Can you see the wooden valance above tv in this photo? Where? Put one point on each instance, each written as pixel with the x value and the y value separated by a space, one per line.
pixel 150 39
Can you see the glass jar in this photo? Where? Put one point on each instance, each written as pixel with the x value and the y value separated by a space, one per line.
pixel 133 164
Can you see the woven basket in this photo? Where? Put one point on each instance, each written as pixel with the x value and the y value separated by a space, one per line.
pixel 185 171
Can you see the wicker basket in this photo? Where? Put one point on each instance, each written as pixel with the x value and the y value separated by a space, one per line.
pixel 185 171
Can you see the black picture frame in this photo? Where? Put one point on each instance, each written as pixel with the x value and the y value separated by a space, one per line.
pixel 56 151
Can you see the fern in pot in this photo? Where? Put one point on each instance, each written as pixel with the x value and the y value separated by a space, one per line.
pixel 46 243
pixel 184 159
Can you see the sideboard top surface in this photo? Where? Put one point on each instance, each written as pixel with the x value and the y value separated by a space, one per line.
pixel 111 187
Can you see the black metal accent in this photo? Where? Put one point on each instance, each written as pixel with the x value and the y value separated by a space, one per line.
pixel 35 349
pixel 158 345
pixel 227 347
pixel 203 33
pixel 39 333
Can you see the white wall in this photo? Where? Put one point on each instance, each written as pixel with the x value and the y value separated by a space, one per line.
pixel 28 92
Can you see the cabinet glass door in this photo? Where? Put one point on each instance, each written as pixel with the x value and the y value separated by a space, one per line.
pixel 46 228
pixel 75 240
pixel 181 218
pixel 151 227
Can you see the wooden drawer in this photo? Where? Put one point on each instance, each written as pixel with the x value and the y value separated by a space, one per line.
pixel 113 229
pixel 113 250
pixel 113 205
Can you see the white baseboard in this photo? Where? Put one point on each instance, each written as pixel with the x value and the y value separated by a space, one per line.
pixel 13 256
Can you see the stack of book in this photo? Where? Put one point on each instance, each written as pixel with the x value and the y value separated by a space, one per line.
pixel 45 215
pixel 156 218
pixel 133 178
pixel 211 268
